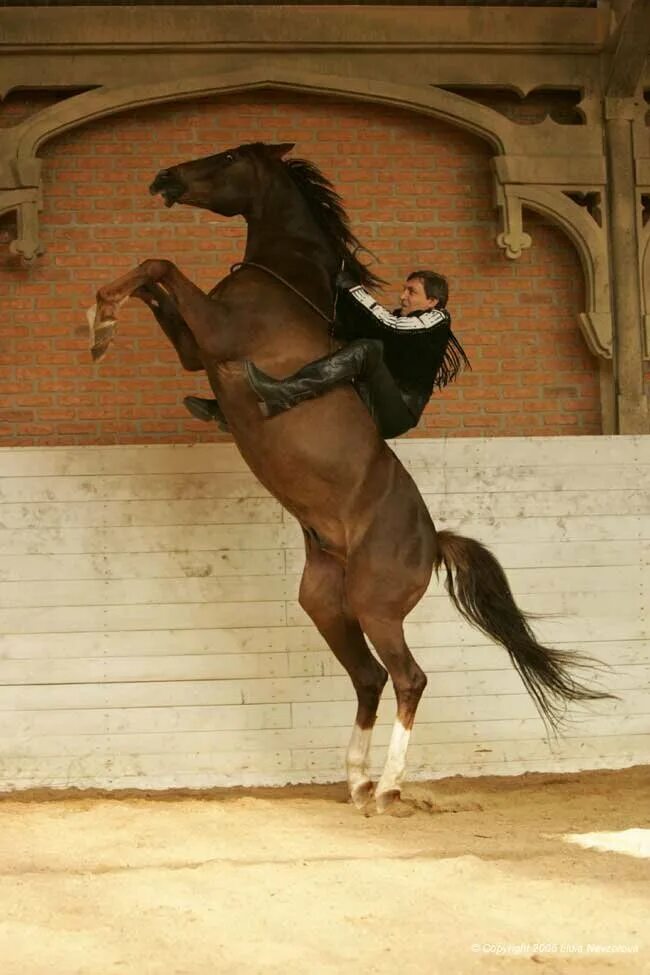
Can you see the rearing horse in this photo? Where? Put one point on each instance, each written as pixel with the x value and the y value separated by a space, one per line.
pixel 370 542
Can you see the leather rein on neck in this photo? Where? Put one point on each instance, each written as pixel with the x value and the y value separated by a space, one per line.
pixel 260 267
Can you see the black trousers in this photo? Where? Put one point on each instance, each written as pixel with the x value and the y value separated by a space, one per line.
pixel 393 409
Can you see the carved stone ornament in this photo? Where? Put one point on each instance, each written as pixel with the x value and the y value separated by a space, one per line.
pixel 26 203
pixel 512 238
pixel 579 212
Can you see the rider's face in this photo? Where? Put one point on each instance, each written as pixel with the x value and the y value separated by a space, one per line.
pixel 414 297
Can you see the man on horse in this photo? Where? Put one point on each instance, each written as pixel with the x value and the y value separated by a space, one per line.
pixel 395 359
pixel 370 542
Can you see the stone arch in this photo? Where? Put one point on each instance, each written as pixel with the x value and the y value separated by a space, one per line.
pixel 21 169
pixel 101 102
pixel 590 241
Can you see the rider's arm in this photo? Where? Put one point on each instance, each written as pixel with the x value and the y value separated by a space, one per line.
pixel 434 318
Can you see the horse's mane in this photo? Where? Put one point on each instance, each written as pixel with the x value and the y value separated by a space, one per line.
pixel 328 210
pixel 327 207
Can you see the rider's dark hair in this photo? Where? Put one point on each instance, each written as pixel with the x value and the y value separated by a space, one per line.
pixel 435 285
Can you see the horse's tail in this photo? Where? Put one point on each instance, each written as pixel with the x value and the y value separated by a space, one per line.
pixel 480 591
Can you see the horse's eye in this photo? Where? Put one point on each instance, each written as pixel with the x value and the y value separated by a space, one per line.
pixel 229 157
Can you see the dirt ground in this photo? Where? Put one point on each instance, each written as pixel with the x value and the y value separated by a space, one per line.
pixel 478 878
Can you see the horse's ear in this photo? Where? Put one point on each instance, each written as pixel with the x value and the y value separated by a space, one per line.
pixel 281 149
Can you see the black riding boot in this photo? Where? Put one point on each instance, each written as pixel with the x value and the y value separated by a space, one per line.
pixel 358 360
pixel 206 410
pixel 361 360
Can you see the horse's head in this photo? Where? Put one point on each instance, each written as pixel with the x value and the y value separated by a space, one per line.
pixel 287 196
pixel 225 183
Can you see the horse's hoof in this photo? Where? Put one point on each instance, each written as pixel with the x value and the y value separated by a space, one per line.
pixel 362 794
pixel 106 324
pixel 102 339
pixel 385 800
pixel 98 351
pixel 106 327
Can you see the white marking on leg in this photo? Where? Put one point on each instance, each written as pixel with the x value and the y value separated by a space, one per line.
pixel 391 777
pixel 357 758
pixel 91 316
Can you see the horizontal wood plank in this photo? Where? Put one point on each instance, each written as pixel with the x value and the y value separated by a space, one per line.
pixel 141 565
pixel 432 480
pixel 132 487
pixel 151 637
pixel 145 514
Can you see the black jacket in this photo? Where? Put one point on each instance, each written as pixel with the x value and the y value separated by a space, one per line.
pixel 419 359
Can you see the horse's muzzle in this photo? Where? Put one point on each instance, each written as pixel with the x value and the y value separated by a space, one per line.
pixel 169 186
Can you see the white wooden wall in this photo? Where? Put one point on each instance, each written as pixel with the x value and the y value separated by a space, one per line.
pixel 150 634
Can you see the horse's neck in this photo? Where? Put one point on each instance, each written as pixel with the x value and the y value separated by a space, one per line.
pixel 306 269
pixel 284 236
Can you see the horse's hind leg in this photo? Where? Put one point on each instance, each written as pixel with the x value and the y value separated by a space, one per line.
pixel 382 588
pixel 409 681
pixel 322 597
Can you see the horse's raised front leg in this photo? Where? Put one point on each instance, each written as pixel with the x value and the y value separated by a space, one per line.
pixel 197 310
pixel 175 328
pixel 173 325
pixel 322 598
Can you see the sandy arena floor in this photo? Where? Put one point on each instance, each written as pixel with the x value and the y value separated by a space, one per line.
pixel 479 878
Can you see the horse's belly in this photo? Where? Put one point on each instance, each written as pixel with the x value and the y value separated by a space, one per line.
pixel 330 495
pixel 312 499
pixel 318 461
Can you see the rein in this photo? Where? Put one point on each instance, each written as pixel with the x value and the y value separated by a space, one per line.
pixel 329 319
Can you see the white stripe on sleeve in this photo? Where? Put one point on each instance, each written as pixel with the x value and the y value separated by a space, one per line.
pixel 405 323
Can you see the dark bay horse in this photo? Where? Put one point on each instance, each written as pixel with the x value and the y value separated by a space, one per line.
pixel 370 542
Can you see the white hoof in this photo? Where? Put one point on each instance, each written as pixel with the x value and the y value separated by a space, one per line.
pixel 362 794
pixel 384 800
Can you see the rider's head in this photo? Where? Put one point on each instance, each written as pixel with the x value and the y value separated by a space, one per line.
pixel 424 290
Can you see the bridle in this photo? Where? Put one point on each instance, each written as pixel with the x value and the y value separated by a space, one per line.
pixel 278 277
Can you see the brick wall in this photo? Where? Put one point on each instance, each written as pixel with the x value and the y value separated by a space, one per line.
pixel 419 194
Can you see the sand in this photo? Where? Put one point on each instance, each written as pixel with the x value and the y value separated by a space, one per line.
pixel 481 877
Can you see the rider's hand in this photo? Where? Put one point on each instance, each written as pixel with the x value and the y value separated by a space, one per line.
pixel 345 281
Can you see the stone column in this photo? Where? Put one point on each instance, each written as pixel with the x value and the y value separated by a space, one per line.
pixel 631 402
